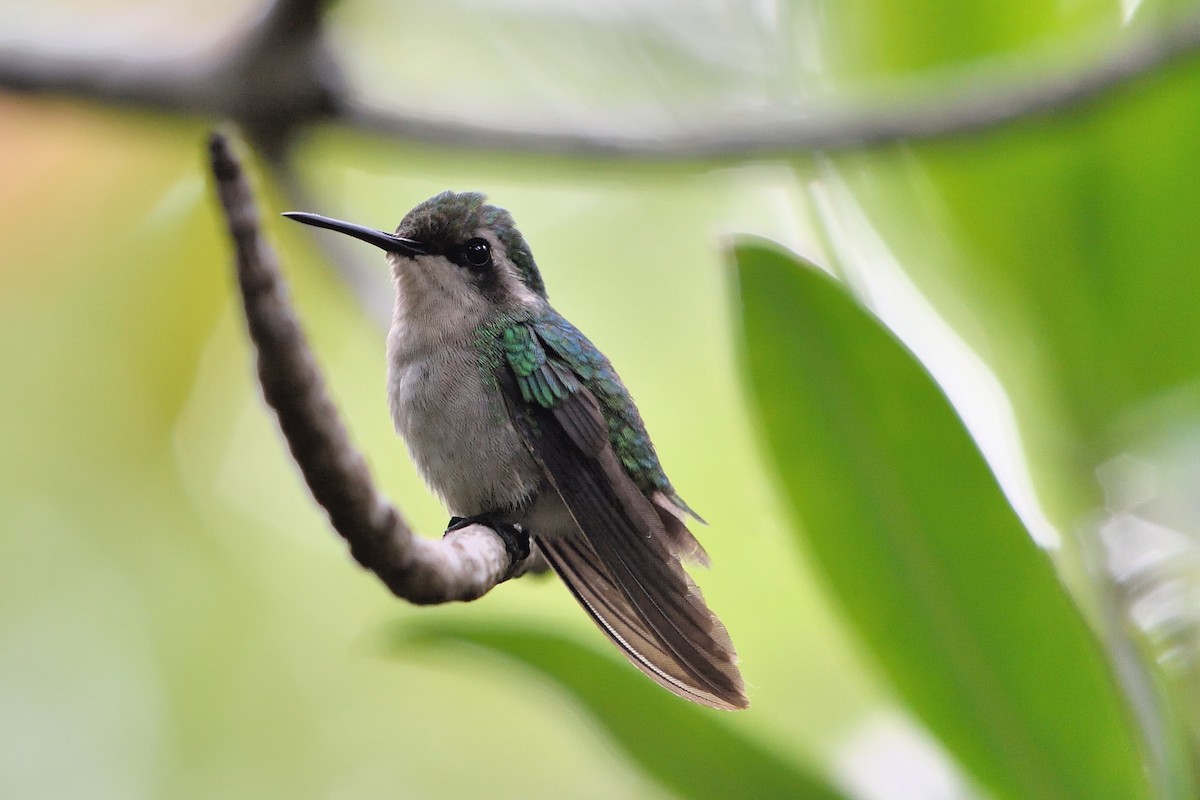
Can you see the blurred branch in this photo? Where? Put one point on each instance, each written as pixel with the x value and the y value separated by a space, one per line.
pixel 969 104
pixel 464 564
pixel 282 77
pixel 162 84
pixel 278 78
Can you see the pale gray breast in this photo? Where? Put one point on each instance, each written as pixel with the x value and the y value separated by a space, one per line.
pixel 456 428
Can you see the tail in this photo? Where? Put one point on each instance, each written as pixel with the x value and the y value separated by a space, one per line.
pixel 667 632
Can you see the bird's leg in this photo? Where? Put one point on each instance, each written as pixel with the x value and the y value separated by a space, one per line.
pixel 516 540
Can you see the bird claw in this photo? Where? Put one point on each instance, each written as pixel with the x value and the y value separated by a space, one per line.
pixel 516 540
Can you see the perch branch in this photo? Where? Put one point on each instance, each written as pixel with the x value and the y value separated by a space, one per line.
pixel 461 566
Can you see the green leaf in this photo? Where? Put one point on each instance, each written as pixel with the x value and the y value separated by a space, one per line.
pixel 965 614
pixel 690 750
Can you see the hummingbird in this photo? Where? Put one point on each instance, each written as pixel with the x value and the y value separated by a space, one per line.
pixel 518 422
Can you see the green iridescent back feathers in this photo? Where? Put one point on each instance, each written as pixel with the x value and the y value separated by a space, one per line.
pixel 548 378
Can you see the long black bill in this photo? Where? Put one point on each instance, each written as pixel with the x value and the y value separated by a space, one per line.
pixel 388 241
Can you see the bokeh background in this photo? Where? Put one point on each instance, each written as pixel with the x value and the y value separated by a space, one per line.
pixel 177 619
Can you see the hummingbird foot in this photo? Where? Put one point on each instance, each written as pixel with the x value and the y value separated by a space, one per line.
pixel 516 540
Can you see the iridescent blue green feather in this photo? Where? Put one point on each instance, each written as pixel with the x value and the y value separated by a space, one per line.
pixel 543 380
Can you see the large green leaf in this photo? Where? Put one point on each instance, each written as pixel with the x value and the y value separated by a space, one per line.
pixel 690 750
pixel 929 561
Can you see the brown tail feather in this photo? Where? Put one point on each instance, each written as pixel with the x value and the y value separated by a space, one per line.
pixel 580 569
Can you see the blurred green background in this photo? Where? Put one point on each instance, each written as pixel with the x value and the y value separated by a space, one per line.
pixel 176 618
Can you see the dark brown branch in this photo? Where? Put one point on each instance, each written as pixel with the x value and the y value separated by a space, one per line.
pixel 281 78
pixel 461 566
pixel 301 19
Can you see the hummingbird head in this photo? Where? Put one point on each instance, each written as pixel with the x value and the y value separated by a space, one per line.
pixel 453 248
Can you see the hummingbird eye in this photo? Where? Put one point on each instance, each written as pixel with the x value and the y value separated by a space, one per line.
pixel 476 253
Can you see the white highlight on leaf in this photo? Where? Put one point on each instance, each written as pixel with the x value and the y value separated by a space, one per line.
pixel 889 757
pixel 875 275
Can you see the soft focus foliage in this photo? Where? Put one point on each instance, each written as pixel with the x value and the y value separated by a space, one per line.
pixel 649 725
pixel 963 611
pixel 176 619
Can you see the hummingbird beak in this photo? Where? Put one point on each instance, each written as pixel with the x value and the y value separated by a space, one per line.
pixel 387 241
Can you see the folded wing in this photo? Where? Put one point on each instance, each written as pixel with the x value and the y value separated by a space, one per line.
pixel 622 566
